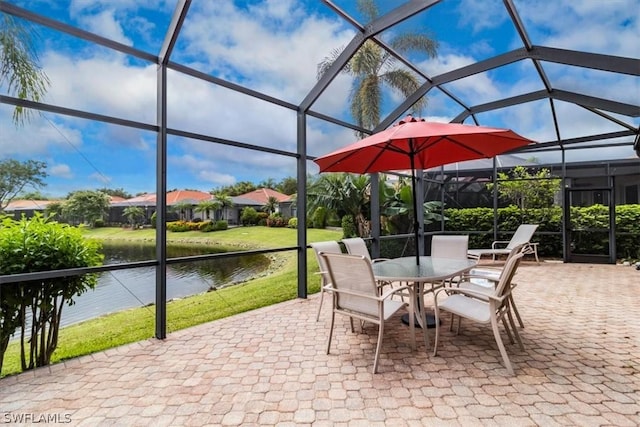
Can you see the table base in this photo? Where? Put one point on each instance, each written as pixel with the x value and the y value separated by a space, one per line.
pixel 430 320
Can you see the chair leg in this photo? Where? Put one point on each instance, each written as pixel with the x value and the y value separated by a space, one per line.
pixel 320 305
pixel 507 329
pixel 378 346
pixel 333 319
pixel 436 313
pixel 515 331
pixel 503 351
pixel 515 311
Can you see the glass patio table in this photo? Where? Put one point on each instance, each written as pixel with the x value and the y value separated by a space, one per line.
pixel 429 270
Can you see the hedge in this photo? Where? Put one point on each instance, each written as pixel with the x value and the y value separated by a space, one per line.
pixel 627 219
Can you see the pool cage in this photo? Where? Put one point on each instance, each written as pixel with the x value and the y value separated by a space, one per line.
pixel 608 181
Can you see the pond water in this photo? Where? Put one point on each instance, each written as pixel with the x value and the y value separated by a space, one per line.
pixel 123 289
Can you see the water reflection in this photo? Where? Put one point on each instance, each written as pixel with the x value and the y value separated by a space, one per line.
pixel 123 289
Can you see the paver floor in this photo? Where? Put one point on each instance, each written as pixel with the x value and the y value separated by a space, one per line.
pixel 580 367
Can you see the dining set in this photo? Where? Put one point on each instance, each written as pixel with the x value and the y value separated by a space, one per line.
pixel 376 289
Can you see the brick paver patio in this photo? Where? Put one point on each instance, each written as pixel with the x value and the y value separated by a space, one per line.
pixel 581 367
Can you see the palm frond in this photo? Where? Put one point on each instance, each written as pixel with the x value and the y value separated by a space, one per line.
pixel 369 9
pixel 328 61
pixel 407 83
pixel 408 42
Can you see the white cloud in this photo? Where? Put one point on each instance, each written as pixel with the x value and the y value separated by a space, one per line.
pixel 274 53
pixel 105 24
pixel 480 15
pixel 102 84
pixel 60 171
pixel 581 25
pixel 41 136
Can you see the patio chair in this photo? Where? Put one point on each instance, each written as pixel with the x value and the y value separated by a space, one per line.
pixel 486 308
pixel 522 235
pixel 484 279
pixel 449 246
pixel 357 295
pixel 357 246
pixel 325 285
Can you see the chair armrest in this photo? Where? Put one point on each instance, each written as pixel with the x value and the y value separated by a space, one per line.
pixel 467 292
pixel 393 291
pixel 501 242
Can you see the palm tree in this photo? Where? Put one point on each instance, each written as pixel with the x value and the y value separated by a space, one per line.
pixel 181 208
pixel 225 202
pixel 208 205
pixel 372 67
pixel 133 214
pixel 271 205
pixel 19 65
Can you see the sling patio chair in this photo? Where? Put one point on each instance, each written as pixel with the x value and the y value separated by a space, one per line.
pixel 357 295
pixel 357 246
pixel 484 279
pixel 325 285
pixel 523 234
pixel 485 308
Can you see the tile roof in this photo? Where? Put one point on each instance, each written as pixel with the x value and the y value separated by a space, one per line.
pixel 261 195
pixel 23 205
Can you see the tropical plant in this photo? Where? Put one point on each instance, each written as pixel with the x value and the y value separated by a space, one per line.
pixel 345 194
pixel 397 208
pixel 133 214
pixel 34 245
pixel 372 67
pixel 19 68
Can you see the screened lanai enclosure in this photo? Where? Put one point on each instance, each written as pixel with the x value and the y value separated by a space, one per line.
pixel 153 96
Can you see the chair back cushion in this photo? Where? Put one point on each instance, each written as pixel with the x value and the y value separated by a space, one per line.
pixel 454 247
pixel 357 246
pixel 523 234
pixel 352 273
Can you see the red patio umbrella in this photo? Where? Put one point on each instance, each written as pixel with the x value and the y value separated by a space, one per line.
pixel 418 144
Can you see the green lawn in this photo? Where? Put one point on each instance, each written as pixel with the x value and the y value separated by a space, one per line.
pixel 138 324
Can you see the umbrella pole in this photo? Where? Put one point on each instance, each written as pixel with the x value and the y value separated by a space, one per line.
pixel 416 225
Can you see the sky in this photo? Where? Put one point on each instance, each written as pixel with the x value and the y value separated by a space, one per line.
pixel 273 47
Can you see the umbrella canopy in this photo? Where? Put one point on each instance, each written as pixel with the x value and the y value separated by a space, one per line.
pixel 417 144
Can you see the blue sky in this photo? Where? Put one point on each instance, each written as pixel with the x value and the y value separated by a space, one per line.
pixel 274 47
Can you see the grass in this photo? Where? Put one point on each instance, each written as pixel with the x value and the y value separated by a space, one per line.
pixel 138 324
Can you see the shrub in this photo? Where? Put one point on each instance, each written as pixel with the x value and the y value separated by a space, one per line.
pixel 179 226
pixel 262 218
pixel 207 226
pixel 33 245
pixel 319 217
pixel 348 227
pixel 221 224
pixel 249 216
pixel 293 223
pixel 98 223
pixel 276 220
pixel 153 220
